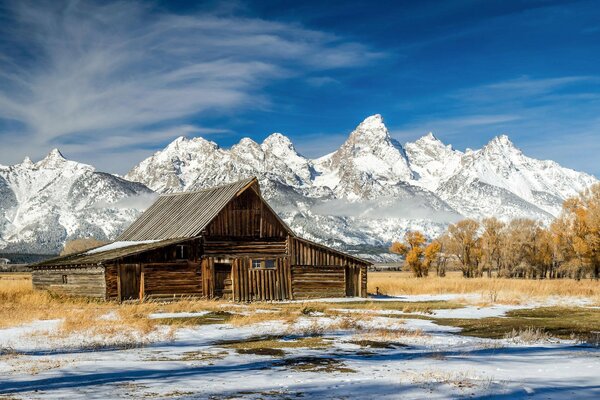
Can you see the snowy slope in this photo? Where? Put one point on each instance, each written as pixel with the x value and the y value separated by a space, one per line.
pixel 500 180
pixel 363 195
pixel 45 203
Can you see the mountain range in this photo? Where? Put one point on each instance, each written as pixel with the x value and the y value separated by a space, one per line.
pixel 360 197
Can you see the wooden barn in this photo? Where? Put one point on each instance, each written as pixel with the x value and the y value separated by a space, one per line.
pixel 223 242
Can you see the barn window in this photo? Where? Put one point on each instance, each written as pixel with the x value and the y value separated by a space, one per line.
pixel 265 264
pixel 65 279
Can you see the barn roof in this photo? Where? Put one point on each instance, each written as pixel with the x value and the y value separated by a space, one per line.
pixel 186 214
pixel 108 252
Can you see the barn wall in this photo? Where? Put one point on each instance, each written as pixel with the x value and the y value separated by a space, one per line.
pixel 318 271
pixel 363 280
pixel 172 279
pixel 88 282
pixel 310 281
pixel 111 282
pixel 261 284
pixel 246 216
pixel 225 248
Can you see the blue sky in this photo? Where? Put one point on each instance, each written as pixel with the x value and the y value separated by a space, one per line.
pixel 110 83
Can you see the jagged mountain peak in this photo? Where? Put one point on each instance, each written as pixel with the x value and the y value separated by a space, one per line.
pixel 246 142
pixel 27 162
pixel 369 130
pixel 501 142
pixel 54 159
pixel 281 146
pixel 184 144
pixel 276 139
pixel 324 198
pixel 55 154
pixel 430 140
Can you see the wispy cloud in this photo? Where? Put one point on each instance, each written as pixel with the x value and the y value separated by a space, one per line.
pixel 108 73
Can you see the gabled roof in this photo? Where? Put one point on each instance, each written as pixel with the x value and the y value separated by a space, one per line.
pixel 186 214
pixel 108 252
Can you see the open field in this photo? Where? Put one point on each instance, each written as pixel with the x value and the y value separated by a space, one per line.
pixel 502 290
pixel 413 345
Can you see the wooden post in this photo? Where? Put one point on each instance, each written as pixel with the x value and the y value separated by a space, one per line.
pixel 142 289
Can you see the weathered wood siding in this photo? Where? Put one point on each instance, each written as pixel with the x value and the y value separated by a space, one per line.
pixel 261 284
pixel 112 284
pixel 230 248
pixel 310 281
pixel 88 282
pixel 162 280
pixel 363 281
pixel 246 216
pixel 318 271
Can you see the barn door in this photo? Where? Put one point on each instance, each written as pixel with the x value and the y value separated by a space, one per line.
pixel 129 281
pixel 352 285
pixel 223 280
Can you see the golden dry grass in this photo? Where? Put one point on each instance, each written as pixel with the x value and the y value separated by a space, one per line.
pixel 492 290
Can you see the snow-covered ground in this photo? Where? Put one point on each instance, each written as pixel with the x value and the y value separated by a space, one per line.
pixel 191 363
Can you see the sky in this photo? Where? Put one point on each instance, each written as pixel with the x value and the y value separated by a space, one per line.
pixel 109 83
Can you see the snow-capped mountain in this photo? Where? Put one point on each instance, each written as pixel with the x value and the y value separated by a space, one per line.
pixel 372 189
pixel 44 204
pixel 365 194
pixel 500 180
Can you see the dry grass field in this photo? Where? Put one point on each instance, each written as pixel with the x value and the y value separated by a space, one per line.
pixel 492 290
pixel 67 347
pixel 20 304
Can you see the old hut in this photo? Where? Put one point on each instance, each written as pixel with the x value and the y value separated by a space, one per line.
pixel 223 242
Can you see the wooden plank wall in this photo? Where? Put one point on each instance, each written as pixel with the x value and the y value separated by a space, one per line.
pixel 246 216
pixel 363 281
pixel 227 248
pixel 261 284
pixel 111 279
pixel 163 280
pixel 309 281
pixel 306 253
pixel 321 272
pixel 88 282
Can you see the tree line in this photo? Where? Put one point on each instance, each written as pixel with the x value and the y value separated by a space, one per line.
pixel 522 248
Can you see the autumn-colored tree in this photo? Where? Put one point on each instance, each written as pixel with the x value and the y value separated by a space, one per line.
pixel 413 250
pixel 431 257
pixel 79 245
pixel 463 243
pixel 580 242
pixel 491 244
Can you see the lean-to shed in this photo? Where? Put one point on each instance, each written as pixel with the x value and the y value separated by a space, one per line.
pixel 223 242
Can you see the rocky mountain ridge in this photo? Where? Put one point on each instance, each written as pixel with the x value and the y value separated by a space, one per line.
pixel 365 194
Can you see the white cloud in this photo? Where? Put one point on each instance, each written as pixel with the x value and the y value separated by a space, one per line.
pixel 101 74
pixel 414 208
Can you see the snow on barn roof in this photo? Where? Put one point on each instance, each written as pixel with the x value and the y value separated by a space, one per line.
pixel 108 252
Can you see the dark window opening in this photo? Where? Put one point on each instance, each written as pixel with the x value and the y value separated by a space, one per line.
pixel 65 279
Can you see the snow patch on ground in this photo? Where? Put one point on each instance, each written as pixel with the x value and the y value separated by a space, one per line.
pixel 436 363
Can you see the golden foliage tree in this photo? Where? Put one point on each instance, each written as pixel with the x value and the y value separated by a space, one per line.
pixel 413 250
pixel 463 243
pixel 577 234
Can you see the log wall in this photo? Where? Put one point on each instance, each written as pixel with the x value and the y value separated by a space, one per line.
pixel 87 282
pixel 161 280
pixel 227 248
pixel 318 271
pixel 309 281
